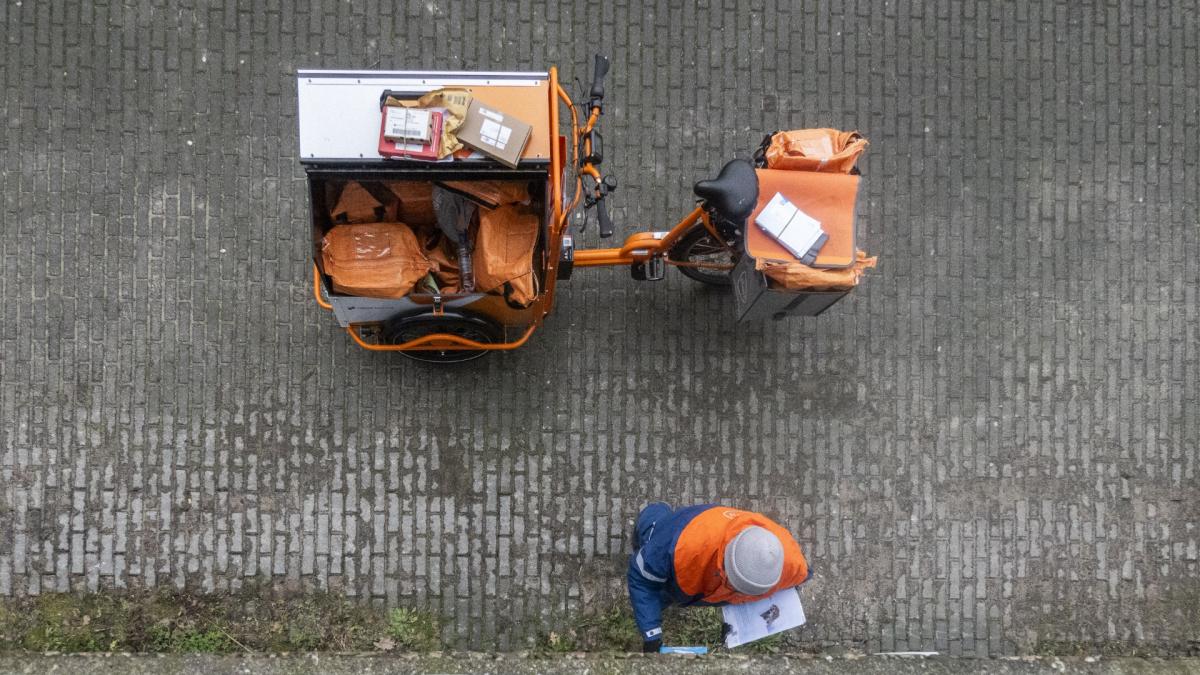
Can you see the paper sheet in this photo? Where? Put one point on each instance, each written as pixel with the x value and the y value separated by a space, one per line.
pixel 756 620
pixel 797 231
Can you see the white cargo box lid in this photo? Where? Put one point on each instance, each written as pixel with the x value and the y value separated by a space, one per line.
pixel 339 112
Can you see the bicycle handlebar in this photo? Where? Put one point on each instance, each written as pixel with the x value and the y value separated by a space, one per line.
pixel 598 78
pixel 606 226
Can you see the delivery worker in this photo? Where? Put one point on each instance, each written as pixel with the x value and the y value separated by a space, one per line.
pixel 706 555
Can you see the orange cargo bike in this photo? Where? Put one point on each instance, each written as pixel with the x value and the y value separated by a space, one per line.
pixel 384 218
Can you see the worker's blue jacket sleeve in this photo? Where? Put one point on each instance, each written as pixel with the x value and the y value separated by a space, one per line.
pixel 651 575
pixel 648 599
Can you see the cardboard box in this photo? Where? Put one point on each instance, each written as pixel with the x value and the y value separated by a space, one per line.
pixel 407 124
pixel 412 149
pixel 499 136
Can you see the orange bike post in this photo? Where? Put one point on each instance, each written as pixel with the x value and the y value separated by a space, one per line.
pixel 641 245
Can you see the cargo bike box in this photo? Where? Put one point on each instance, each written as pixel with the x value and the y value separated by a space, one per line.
pixel 381 262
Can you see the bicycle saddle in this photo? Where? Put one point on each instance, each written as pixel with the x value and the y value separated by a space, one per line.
pixel 734 192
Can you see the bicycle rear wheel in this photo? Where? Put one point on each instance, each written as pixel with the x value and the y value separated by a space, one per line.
pixel 403 329
pixel 698 245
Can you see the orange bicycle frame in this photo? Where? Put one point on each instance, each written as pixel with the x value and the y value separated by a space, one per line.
pixel 640 246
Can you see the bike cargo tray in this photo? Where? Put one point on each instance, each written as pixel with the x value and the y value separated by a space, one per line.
pixel 756 300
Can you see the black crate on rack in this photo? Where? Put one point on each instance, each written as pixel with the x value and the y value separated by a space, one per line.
pixel 755 299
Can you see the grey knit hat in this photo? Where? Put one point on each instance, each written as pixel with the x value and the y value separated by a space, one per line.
pixel 753 561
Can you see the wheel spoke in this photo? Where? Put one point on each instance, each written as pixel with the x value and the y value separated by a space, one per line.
pixel 700 248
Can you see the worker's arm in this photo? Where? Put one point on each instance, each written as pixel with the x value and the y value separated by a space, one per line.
pixel 646 595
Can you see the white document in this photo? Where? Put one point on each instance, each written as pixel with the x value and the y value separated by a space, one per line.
pixel 495 135
pixel 756 620
pixel 794 229
pixel 407 124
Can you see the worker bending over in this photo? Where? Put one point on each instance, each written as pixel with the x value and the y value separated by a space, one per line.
pixel 706 555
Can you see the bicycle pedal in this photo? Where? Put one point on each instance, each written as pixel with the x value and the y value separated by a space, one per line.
pixel 656 269
pixel 653 269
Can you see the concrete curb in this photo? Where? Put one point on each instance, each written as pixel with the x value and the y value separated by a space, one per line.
pixel 524 664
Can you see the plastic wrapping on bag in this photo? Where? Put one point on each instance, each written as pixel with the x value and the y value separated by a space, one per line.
pixel 504 253
pixel 357 205
pixel 827 150
pixel 797 276
pixel 416 202
pixel 492 193
pixel 374 260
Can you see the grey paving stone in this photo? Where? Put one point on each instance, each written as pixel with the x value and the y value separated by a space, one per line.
pixel 990 448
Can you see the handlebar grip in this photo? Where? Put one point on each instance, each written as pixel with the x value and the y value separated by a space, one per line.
pixel 598 78
pixel 606 226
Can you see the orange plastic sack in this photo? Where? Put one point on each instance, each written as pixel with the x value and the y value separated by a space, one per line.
pixel 827 150
pixel 503 256
pixel 416 202
pixel 797 276
pixel 445 262
pixel 492 193
pixel 374 260
pixel 356 205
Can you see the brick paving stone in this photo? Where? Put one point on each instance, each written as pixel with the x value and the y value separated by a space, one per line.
pixel 990 448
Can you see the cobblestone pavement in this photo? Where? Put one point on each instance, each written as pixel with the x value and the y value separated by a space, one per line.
pixel 990 448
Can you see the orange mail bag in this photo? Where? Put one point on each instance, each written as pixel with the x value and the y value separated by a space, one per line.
pixel 503 255
pixel 796 276
pixel 416 202
pixel 357 205
pixel 492 193
pixel 374 260
pixel 827 150
pixel 445 261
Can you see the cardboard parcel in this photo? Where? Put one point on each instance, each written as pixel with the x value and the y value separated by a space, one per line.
pixel 497 135
pixel 455 103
